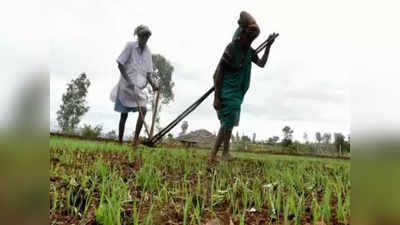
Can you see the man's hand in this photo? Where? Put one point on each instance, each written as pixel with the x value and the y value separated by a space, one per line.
pixel 217 103
pixel 153 84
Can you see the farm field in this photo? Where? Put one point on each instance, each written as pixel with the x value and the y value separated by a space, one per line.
pixel 95 182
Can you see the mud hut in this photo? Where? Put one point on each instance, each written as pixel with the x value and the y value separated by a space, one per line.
pixel 198 138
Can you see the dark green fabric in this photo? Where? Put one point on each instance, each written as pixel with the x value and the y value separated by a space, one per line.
pixel 234 86
pixel 236 34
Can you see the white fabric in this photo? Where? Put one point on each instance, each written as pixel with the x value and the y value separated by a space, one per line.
pixel 136 65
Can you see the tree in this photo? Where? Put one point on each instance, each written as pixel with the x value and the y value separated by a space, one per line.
pixel 163 74
pixel 339 141
pixel 254 137
pixel 273 140
pixel 287 136
pixel 184 127
pixel 318 136
pixel 74 105
pixel 237 136
pixel 326 138
pixel 111 135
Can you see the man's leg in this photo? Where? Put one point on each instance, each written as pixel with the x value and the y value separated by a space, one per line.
pixel 227 140
pixel 218 142
pixel 122 122
pixel 139 125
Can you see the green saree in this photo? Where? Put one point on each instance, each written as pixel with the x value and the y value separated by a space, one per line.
pixel 235 83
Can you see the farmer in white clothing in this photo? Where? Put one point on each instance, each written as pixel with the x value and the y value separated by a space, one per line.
pixel 136 67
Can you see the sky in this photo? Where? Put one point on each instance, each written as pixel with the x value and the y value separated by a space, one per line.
pixel 305 84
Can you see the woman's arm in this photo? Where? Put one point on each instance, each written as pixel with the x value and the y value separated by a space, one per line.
pixel 261 62
pixel 217 85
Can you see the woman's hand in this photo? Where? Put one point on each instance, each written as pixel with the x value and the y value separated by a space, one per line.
pixel 271 39
pixel 217 103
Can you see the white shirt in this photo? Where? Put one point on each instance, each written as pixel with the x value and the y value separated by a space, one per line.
pixel 137 64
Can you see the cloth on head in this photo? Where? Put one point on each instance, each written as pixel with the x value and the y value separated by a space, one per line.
pixel 142 29
pixel 246 19
pixel 248 23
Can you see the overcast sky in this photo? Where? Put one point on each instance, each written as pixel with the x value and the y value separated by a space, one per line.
pixel 304 85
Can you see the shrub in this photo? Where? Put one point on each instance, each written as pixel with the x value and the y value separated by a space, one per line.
pixel 88 131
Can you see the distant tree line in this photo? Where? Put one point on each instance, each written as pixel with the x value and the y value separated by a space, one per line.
pixel 325 143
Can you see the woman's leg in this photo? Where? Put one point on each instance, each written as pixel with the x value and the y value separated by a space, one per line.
pixel 218 142
pixel 122 122
pixel 227 140
pixel 139 125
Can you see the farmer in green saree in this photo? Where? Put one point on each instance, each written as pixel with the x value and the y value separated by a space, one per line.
pixel 232 80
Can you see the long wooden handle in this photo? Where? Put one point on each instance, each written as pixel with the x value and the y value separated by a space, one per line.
pixel 166 129
pixel 154 114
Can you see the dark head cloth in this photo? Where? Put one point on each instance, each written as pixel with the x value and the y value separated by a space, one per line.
pixel 248 23
pixel 142 29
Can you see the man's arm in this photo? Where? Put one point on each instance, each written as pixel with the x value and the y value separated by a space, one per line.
pixel 152 83
pixel 123 74
pixel 122 60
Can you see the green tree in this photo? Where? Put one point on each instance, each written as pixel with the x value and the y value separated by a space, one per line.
pixel 74 104
pixel 326 138
pixel 318 137
pixel 273 140
pixel 339 142
pixel 287 136
pixel 163 71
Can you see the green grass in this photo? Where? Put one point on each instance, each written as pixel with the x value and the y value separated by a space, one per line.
pixel 153 185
